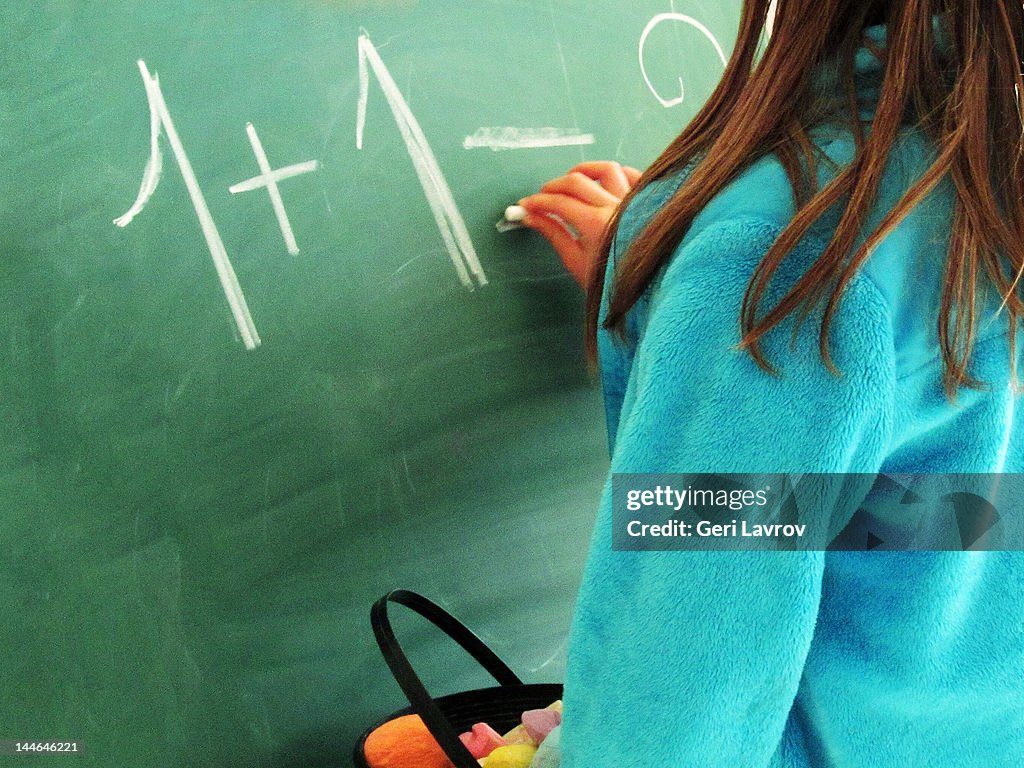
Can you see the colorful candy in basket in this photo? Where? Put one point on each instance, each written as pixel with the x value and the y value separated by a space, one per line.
pixel 405 742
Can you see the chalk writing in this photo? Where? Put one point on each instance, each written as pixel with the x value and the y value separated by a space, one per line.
pixel 269 179
pixel 681 17
pixel 503 138
pixel 435 187
pixel 447 216
pixel 161 117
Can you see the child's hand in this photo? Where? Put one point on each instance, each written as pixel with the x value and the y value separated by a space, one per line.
pixel 584 199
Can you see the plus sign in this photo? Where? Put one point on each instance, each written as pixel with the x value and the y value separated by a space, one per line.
pixel 269 179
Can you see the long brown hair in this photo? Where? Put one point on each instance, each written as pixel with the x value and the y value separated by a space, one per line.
pixel 965 98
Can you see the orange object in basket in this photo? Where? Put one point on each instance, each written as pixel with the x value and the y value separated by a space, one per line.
pixel 404 742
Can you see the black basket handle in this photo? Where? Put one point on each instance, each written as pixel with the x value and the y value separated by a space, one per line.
pixel 409 681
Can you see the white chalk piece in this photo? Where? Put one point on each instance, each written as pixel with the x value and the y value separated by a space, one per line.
pixel 514 214
pixel 504 225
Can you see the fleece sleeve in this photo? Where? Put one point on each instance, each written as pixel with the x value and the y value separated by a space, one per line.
pixel 694 658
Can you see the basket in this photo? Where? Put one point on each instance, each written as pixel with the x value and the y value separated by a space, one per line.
pixel 446 717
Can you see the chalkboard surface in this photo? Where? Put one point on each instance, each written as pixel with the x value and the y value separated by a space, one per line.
pixel 264 355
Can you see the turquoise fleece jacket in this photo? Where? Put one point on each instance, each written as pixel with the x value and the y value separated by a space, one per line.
pixel 795 659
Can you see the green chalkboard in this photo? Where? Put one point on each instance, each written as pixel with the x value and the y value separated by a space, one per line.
pixel 296 373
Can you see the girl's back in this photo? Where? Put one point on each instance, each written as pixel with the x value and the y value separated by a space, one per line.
pixel 834 658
